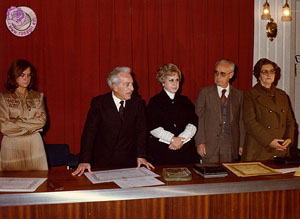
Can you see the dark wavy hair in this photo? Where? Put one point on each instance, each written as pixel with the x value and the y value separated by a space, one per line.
pixel 15 71
pixel 258 66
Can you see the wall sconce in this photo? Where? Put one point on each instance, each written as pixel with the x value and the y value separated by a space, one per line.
pixel 266 11
pixel 286 12
pixel 271 28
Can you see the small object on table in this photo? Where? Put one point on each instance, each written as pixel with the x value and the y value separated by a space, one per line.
pixel 55 186
pixel 177 174
pixel 210 170
pixel 297 173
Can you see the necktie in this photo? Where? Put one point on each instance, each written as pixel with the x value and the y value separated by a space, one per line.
pixel 122 110
pixel 223 97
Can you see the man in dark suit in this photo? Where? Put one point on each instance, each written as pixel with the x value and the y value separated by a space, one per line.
pixel 114 134
pixel 220 134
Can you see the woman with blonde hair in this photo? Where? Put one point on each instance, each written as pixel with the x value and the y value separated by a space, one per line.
pixel 172 121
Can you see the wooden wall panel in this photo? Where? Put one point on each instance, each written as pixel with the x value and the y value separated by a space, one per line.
pixel 294 202
pixel 112 209
pixel 275 205
pixel 20 212
pixel 149 208
pixel 190 207
pixel 254 205
pixel 74 211
pixel 211 206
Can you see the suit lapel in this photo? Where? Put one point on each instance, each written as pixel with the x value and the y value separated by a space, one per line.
pixel 267 102
pixel 234 105
pixel 111 107
pixel 215 101
pixel 279 102
pixel 128 111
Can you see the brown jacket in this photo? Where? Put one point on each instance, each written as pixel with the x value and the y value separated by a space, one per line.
pixel 208 109
pixel 266 119
pixel 18 117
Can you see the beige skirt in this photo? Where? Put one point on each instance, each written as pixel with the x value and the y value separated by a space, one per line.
pixel 23 153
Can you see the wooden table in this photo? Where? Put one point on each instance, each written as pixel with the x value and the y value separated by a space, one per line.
pixel 275 196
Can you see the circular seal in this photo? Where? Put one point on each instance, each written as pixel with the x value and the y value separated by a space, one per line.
pixel 21 21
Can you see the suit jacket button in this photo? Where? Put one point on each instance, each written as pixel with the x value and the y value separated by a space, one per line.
pixel 268 127
pixel 270 111
pixel 174 125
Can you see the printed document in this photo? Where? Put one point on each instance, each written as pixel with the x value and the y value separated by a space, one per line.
pixel 125 178
pixel 14 184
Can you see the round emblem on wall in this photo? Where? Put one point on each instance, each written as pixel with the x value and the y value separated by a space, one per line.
pixel 21 21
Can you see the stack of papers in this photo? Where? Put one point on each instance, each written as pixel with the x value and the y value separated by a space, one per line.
pixel 14 184
pixel 125 178
pixel 288 170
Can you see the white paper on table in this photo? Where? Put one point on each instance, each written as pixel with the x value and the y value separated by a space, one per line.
pixel 138 182
pixel 117 174
pixel 16 184
pixel 288 170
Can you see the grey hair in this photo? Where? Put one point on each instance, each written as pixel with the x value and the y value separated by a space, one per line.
pixel 231 63
pixel 113 78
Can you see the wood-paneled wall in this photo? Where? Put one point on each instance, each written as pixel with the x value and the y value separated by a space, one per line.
pixel 256 205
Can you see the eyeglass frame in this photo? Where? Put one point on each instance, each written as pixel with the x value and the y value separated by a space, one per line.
pixel 223 74
pixel 271 72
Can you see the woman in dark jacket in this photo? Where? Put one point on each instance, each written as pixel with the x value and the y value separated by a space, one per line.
pixel 267 115
pixel 172 121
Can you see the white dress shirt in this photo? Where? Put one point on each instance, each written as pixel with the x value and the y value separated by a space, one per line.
pixel 220 91
pixel 117 101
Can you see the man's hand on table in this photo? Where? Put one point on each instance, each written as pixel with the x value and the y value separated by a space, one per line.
pixel 143 161
pixel 81 168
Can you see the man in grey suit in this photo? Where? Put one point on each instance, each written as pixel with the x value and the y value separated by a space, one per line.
pixel 220 134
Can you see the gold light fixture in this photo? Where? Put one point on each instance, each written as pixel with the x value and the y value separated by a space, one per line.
pixel 266 11
pixel 271 28
pixel 286 12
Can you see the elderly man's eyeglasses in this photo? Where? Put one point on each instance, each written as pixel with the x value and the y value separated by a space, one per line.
pixel 271 72
pixel 223 74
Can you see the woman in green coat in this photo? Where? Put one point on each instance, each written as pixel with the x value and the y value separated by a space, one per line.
pixel 268 117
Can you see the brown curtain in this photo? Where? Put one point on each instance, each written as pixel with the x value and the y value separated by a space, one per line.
pixel 77 42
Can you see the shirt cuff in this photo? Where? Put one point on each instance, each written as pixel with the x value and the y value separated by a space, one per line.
pixel 188 133
pixel 163 135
